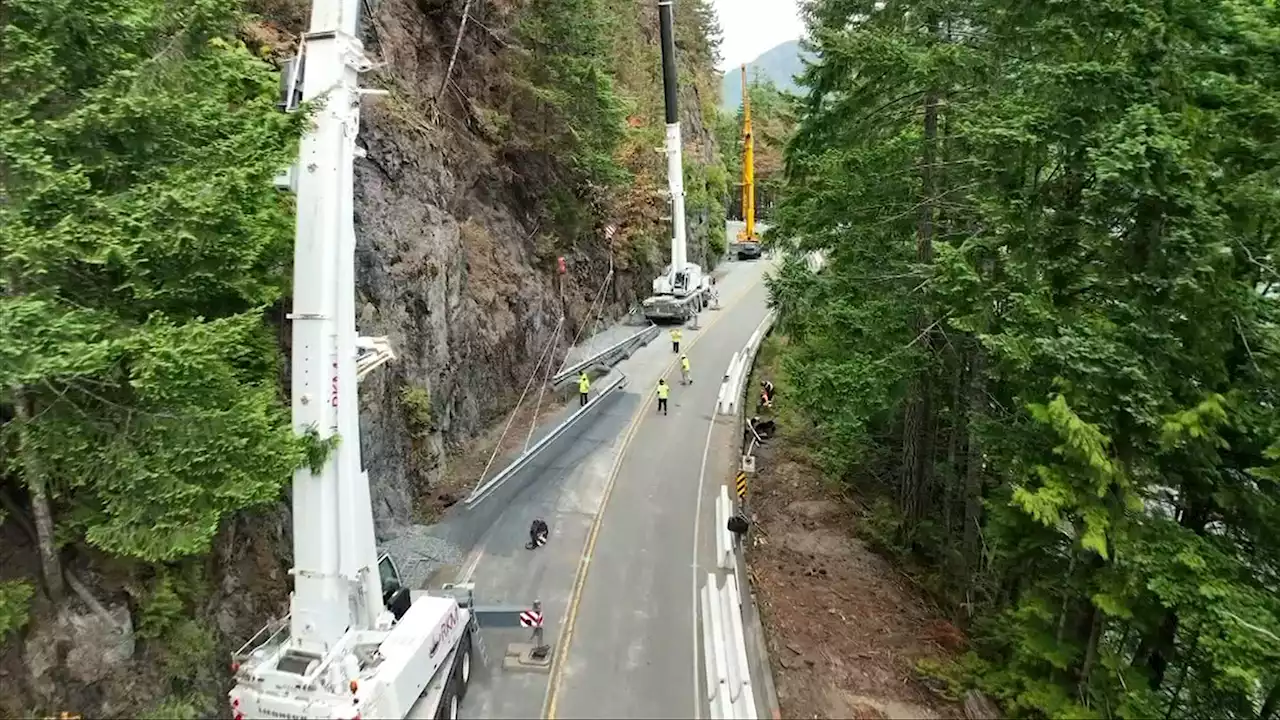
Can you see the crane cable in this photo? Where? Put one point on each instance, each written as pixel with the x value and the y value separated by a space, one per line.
pixel 546 351
pixel 598 298
pixel 533 424
pixel 544 356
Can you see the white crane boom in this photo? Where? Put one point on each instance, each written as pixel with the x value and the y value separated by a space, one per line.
pixel 357 643
pixel 681 292
pixel 336 584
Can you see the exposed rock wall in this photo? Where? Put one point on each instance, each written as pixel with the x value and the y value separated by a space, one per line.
pixel 448 263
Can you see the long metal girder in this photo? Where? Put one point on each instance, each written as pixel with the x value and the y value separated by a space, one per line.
pixel 486 489
pixel 643 337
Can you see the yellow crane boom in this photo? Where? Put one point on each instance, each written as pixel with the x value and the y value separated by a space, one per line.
pixel 748 167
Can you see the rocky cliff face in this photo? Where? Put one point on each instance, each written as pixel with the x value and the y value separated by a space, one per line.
pixel 452 261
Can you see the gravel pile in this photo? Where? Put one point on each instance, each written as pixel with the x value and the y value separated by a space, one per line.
pixel 419 552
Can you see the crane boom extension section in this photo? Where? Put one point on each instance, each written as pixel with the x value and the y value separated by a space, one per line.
pixel 336 585
pixel 357 643
pixel 682 291
pixel 747 245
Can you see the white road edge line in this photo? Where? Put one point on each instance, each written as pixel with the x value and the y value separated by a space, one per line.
pixel 697 520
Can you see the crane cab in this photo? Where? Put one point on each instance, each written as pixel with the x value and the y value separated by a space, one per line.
pixel 395 596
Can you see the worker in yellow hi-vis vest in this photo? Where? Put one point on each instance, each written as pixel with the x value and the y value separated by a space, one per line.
pixel 675 340
pixel 685 377
pixel 664 391
pixel 584 387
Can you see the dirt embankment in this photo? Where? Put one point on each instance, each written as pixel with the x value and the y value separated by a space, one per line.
pixel 845 628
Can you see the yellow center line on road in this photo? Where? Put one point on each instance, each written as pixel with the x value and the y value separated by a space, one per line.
pixel 561 651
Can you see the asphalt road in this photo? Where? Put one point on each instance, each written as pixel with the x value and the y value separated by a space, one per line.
pixel 631 652
pixel 635 645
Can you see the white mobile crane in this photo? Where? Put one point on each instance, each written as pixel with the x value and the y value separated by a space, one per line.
pixel 682 290
pixel 357 642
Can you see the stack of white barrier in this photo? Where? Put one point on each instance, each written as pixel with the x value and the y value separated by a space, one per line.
pixel 729 689
pixel 731 387
pixel 724 539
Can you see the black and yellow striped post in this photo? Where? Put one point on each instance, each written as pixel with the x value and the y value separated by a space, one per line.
pixel 740 483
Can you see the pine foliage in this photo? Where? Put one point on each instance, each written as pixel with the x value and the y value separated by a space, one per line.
pixel 1047 331
pixel 142 242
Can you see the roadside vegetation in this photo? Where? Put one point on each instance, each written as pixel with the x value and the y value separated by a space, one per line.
pixel 1043 353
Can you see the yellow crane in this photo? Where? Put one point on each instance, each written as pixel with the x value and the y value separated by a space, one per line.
pixel 748 245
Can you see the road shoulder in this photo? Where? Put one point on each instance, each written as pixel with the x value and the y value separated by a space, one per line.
pixel 844 628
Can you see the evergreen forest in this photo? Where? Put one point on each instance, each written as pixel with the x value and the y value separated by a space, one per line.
pixel 1045 339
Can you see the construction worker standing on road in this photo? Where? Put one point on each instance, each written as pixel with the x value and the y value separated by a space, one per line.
pixel 675 340
pixel 584 387
pixel 685 377
pixel 664 390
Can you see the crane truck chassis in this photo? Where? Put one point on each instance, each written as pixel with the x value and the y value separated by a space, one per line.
pixel 427 679
pixel 678 296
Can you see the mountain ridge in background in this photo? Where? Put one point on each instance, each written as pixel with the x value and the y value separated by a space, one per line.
pixel 781 64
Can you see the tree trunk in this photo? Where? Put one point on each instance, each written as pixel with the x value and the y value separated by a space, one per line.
pixel 915 442
pixel 1271 703
pixel 1091 651
pixel 37 486
pixel 1156 649
pixel 958 412
pixel 977 403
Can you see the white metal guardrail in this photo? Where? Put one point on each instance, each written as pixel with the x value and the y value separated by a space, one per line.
pixel 730 693
pixel 639 338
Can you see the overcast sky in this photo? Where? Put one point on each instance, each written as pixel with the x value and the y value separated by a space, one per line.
pixel 752 26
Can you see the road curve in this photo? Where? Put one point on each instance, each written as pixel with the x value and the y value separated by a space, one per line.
pixel 567 487
pixel 634 637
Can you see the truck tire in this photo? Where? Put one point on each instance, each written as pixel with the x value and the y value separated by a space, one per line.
pixel 462 668
pixel 448 709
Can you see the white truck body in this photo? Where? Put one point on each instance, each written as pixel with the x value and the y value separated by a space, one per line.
pixel 678 297
pixel 410 670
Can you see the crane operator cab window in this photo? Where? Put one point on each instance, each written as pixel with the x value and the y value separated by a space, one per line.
pixel 681 280
pixel 394 594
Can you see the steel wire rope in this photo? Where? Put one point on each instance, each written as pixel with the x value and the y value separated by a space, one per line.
pixel 599 297
pixel 533 424
pixel 511 418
